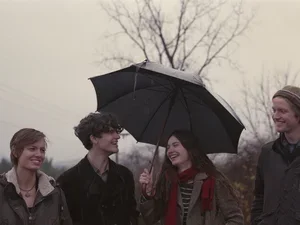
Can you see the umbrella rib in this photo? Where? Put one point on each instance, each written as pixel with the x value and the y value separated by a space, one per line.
pixel 154 113
pixel 161 85
pixel 146 88
pixel 203 103
pixel 140 89
pixel 187 108
pixel 194 94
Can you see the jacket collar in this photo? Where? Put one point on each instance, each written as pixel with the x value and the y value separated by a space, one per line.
pixel 45 186
pixel 281 147
pixel 198 181
pixel 87 171
pixel 86 167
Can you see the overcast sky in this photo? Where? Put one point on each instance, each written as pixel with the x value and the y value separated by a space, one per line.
pixel 48 51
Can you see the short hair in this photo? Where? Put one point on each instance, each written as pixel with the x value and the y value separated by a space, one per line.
pixel 96 124
pixel 21 139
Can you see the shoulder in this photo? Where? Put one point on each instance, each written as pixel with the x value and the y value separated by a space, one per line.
pixel 68 176
pixel 268 146
pixel 266 150
pixel 122 170
pixel 222 181
pixel 3 181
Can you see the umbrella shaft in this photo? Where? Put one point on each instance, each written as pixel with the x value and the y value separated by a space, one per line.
pixel 172 100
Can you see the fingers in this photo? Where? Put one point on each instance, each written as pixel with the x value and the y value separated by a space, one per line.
pixel 145 177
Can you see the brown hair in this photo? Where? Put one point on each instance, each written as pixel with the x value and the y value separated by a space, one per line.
pixel 199 160
pixel 21 139
pixel 96 124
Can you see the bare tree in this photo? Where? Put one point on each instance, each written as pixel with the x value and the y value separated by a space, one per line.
pixel 193 35
pixel 257 104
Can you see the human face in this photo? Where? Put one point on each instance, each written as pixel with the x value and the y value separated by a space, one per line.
pixel 108 142
pixel 33 156
pixel 178 155
pixel 284 117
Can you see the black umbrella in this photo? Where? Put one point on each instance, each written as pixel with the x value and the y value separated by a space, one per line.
pixel 152 101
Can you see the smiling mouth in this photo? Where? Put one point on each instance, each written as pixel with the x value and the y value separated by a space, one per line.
pixel 173 156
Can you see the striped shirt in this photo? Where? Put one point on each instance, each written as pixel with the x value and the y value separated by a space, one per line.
pixel 186 193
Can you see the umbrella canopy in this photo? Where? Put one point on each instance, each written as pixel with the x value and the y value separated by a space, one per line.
pixel 152 101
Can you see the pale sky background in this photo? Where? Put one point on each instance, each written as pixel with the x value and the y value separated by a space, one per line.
pixel 48 50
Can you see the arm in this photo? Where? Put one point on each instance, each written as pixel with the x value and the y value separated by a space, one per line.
pixel 69 197
pixel 150 211
pixel 151 208
pixel 65 214
pixel 131 201
pixel 257 205
pixel 228 204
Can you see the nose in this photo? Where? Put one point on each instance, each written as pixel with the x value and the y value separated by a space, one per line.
pixel 117 135
pixel 38 153
pixel 41 152
pixel 169 150
pixel 276 115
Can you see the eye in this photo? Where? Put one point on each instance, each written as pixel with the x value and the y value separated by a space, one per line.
pixel 43 150
pixel 112 131
pixel 175 144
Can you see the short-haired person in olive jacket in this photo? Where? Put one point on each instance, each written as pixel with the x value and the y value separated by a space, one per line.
pixel 99 191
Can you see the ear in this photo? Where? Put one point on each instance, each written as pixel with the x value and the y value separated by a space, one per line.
pixel 14 152
pixel 93 139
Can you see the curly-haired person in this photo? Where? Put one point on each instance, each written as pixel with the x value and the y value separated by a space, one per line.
pixel 99 191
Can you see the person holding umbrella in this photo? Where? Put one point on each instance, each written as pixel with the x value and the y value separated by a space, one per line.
pixel 190 190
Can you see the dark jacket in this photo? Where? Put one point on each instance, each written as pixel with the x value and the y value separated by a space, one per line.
pixel 277 186
pixel 50 206
pixel 93 202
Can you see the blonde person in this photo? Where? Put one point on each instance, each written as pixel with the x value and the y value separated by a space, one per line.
pixel 27 195
pixel 277 183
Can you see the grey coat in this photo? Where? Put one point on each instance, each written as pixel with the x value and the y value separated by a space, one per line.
pixel 225 208
pixel 277 186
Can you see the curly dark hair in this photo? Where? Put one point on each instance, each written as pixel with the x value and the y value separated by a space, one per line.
pixel 199 160
pixel 96 124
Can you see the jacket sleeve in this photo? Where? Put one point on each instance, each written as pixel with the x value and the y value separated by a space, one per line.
pixel 134 214
pixel 257 205
pixel 149 210
pixel 69 196
pixel 65 217
pixel 229 206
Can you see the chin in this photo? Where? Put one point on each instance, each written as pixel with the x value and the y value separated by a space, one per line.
pixel 175 164
pixel 113 151
pixel 281 129
pixel 33 168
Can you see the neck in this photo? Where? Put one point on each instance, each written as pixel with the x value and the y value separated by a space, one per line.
pixel 98 159
pixel 184 166
pixel 26 178
pixel 293 137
